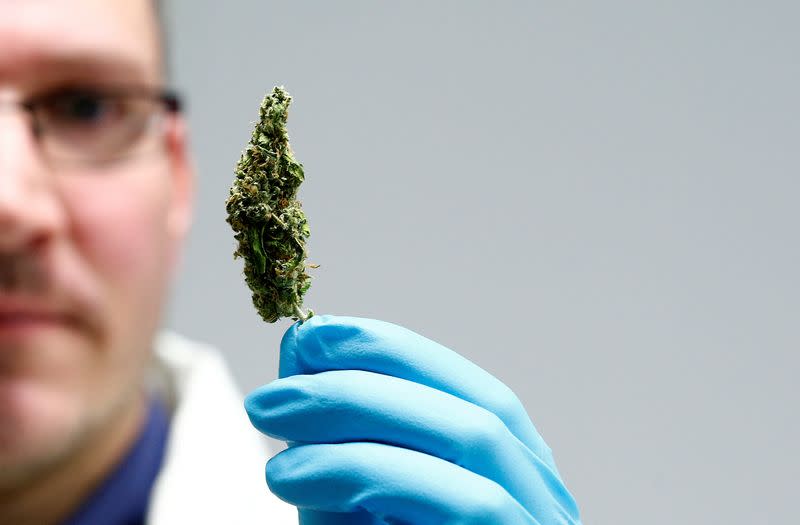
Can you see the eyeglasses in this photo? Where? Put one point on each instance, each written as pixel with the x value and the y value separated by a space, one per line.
pixel 98 125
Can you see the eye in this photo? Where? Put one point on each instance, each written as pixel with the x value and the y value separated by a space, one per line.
pixel 93 123
pixel 83 109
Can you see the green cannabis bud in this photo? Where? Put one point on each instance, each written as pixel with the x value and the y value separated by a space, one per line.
pixel 267 218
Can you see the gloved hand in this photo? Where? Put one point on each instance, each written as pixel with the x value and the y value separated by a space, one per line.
pixel 386 426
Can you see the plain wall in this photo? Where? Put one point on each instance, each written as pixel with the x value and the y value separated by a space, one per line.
pixel 595 201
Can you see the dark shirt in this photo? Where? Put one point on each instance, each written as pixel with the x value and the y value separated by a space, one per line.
pixel 123 497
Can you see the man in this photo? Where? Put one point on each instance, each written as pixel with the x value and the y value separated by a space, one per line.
pixel 104 421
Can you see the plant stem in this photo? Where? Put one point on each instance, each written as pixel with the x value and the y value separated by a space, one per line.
pixel 299 313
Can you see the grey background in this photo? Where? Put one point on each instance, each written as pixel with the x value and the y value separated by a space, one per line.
pixel 595 201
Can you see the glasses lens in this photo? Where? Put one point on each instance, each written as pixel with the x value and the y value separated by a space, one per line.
pixel 94 127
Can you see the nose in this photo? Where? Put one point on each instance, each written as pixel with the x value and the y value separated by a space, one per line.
pixel 29 208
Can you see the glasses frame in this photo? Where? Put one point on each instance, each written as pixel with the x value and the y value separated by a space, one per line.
pixel 169 98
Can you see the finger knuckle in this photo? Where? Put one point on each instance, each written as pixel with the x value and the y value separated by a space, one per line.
pixel 505 403
pixel 485 432
pixel 492 430
pixel 490 505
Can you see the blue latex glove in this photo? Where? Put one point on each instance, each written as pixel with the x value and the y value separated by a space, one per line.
pixel 387 426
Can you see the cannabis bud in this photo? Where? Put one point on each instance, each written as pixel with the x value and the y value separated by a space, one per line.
pixel 267 218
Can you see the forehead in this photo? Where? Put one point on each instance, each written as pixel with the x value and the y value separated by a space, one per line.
pixel 43 38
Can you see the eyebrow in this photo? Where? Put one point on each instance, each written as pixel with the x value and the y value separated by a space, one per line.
pixel 98 67
pixel 104 64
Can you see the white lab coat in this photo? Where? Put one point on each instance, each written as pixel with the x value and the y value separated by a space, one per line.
pixel 213 471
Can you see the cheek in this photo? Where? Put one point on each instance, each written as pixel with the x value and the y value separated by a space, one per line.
pixel 119 227
pixel 125 248
pixel 119 233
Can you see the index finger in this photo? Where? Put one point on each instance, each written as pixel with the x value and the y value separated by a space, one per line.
pixel 326 342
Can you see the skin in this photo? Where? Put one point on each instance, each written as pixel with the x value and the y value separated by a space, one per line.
pixel 105 239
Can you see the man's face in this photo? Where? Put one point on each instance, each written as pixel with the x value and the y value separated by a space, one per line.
pixel 86 248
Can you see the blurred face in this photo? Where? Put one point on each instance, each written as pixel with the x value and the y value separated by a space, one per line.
pixel 90 220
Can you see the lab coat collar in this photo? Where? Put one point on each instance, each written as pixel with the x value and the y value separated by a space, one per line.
pixel 213 471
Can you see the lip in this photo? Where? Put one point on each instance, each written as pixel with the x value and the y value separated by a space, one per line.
pixel 19 318
pixel 23 326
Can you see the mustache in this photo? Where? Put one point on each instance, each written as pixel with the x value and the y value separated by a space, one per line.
pixel 35 278
pixel 24 273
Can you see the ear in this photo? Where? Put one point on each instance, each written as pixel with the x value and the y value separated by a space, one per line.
pixel 182 173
